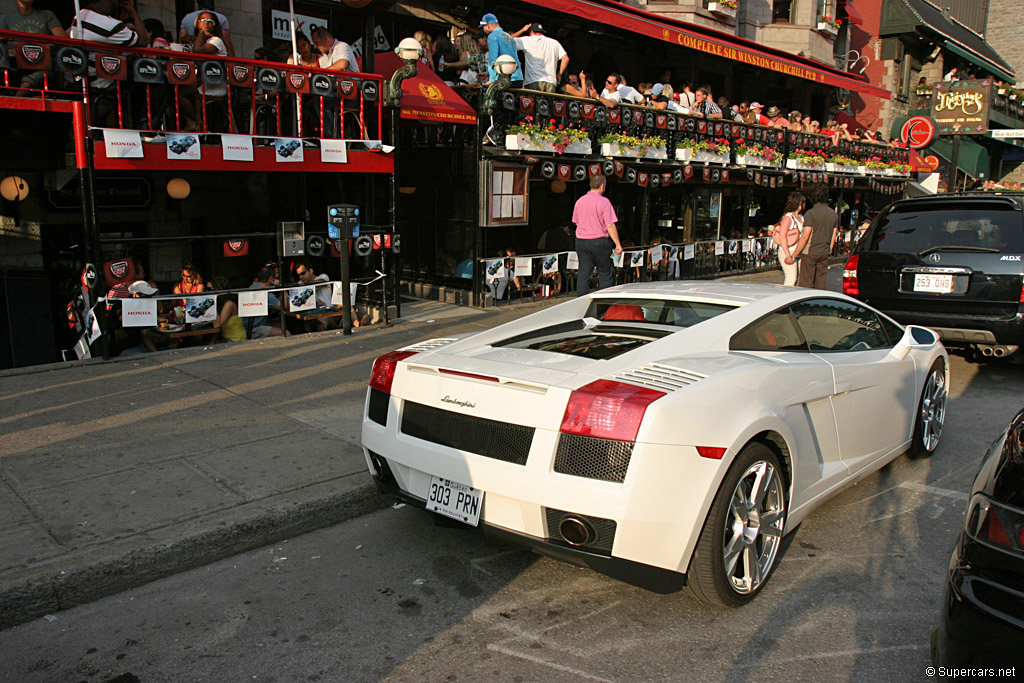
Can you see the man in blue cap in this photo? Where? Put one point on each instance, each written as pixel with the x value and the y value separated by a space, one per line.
pixel 500 43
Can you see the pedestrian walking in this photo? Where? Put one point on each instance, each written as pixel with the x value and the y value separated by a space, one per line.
pixel 820 225
pixel 787 235
pixel 596 236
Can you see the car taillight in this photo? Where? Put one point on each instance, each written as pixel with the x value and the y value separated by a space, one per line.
pixel 850 285
pixel 608 410
pixel 1022 292
pixel 996 525
pixel 383 373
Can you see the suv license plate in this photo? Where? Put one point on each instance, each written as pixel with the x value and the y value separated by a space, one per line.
pixel 455 500
pixel 939 284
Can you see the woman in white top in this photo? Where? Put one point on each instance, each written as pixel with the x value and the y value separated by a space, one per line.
pixel 207 39
pixel 787 234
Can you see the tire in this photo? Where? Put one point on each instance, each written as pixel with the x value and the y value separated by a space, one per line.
pixel 931 413
pixel 740 541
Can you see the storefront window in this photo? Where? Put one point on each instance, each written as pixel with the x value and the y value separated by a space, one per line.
pixel 708 215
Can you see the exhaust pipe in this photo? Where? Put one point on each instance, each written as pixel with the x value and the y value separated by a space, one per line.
pixel 986 351
pixel 575 531
pixel 998 351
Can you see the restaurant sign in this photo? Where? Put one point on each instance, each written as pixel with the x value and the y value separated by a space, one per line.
pixel 111 193
pixel 960 107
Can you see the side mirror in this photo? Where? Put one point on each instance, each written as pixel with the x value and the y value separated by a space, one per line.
pixel 914 336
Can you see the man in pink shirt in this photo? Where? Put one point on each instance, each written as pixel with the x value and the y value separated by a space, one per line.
pixel 595 234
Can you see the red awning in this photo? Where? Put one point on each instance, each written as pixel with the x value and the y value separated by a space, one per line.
pixel 426 97
pixel 852 124
pixel 852 14
pixel 715 43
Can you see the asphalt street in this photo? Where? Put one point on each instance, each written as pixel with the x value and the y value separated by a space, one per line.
pixel 390 596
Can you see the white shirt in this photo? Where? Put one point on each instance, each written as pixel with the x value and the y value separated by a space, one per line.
pixel 611 95
pixel 103 29
pixel 338 52
pixel 540 58
pixel 628 93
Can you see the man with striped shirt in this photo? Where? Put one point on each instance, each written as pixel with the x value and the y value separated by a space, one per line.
pixel 96 22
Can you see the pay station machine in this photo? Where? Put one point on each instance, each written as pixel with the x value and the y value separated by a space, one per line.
pixel 292 238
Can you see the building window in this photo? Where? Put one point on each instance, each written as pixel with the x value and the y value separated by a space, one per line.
pixel 782 11
pixel 826 8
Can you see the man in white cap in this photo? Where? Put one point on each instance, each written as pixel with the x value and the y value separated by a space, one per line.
pixel 544 59
pixel 756 116
pixel 500 43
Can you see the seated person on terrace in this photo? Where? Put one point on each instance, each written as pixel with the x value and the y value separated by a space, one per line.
pixel 187 30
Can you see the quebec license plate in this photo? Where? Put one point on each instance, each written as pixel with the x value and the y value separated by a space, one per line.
pixel 938 284
pixel 455 500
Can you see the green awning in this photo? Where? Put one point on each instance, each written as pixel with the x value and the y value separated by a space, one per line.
pixel 978 60
pixel 971 158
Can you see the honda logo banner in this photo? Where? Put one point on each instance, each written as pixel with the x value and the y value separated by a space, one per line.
pixel 114 67
pixel 32 55
pixel 122 144
pixel 236 247
pixel 180 73
pixel 236 147
pixel 240 75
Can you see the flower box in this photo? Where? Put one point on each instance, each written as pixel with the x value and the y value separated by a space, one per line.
pixel 524 143
pixel 889 171
pixel 614 149
pixel 792 164
pixel 656 153
pixel 830 167
pixel 719 8
pixel 709 157
pixel 582 147
pixel 825 27
pixel 862 170
pixel 684 154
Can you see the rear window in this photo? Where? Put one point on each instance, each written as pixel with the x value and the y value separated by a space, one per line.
pixel 916 228
pixel 660 311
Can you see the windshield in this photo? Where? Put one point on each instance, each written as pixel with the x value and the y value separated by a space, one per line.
pixel 915 229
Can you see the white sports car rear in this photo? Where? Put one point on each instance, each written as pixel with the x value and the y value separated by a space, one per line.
pixel 665 434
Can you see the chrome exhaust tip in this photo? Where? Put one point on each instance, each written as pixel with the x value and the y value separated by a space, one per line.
pixel 575 531
pixel 987 351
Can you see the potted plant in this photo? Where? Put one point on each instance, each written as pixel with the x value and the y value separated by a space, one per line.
pixel 762 155
pixel 531 136
pixel 686 148
pixel 654 147
pixel 726 8
pixel 618 144
pixel 716 152
pixel 827 24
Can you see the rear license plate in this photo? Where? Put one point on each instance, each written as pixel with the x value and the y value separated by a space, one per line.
pixel 939 284
pixel 455 500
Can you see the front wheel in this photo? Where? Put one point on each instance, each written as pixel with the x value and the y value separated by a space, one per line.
pixel 931 413
pixel 740 540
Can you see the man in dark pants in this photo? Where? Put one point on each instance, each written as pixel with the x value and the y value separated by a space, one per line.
pixel 596 233
pixel 820 224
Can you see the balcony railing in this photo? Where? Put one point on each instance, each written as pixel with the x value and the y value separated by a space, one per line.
pixel 792 151
pixel 164 90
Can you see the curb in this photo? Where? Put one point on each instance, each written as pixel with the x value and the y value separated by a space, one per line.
pixel 63 588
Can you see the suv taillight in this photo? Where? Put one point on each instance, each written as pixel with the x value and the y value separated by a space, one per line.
pixel 996 525
pixel 383 373
pixel 608 410
pixel 850 285
pixel 1022 292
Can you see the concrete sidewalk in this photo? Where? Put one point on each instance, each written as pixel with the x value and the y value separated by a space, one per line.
pixel 113 474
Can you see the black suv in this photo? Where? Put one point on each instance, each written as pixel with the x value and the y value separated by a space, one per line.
pixel 950 262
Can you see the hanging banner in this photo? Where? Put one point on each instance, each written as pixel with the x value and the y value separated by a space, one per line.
pixel 236 247
pixel 687 252
pixel 301 299
pixel 122 144
pixel 617 260
pixel 495 270
pixel 524 267
pixel 572 261
pixel 288 149
pixel 333 151
pixel 719 248
pixel 183 146
pixel 200 309
pixel 236 147
pixel 251 304
pixel 656 252
pixel 138 312
pixel 338 293
pixel 636 259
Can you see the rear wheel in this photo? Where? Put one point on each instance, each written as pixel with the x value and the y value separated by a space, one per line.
pixel 931 413
pixel 740 541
